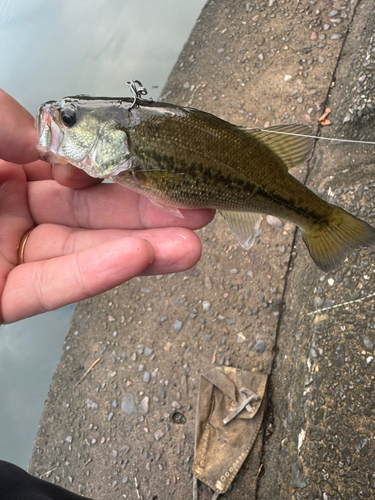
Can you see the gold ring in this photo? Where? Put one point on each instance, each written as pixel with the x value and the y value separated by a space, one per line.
pixel 22 245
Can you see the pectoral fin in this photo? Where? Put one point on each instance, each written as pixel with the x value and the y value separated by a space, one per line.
pixel 166 208
pixel 244 226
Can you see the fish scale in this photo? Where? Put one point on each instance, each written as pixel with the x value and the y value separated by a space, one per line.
pixel 230 188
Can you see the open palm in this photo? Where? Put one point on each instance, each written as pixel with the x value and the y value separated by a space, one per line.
pixel 88 237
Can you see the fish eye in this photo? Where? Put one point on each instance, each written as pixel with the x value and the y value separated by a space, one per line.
pixel 68 117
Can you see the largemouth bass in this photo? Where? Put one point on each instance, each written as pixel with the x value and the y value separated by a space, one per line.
pixel 185 158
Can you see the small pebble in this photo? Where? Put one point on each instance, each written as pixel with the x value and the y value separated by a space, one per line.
pixel 247 311
pixel 148 351
pixel 206 305
pixel 250 345
pixel 273 221
pixel 177 325
pixel 128 404
pixel 260 346
pixel 145 404
pixel 158 435
pixel 90 404
pixel 240 338
pixel 318 302
pixel 233 271
pixel 368 342
pixel 146 377
pixel 208 283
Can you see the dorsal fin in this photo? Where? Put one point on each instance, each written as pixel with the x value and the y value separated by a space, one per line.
pixel 292 150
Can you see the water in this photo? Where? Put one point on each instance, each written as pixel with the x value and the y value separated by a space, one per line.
pixel 49 50
pixel 29 352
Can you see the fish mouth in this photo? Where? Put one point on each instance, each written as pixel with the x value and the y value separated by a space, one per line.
pixel 50 135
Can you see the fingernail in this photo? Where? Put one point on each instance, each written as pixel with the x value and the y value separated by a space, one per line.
pixel 152 251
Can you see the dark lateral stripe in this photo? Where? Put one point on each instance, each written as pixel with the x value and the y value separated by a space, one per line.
pixel 289 204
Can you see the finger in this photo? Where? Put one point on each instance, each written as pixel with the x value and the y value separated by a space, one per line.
pixel 66 175
pixel 46 285
pixel 15 217
pixel 18 136
pixel 70 176
pixel 38 171
pixel 104 206
pixel 175 249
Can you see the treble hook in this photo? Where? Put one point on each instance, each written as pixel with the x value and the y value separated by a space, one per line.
pixel 138 93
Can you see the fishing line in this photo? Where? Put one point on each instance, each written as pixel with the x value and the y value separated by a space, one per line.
pixel 139 91
pixel 316 137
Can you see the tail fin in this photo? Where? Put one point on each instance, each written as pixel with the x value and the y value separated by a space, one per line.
pixel 331 242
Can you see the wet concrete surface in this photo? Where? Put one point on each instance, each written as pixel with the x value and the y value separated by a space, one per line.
pixel 127 429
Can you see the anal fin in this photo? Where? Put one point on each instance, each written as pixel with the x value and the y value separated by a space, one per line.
pixel 244 226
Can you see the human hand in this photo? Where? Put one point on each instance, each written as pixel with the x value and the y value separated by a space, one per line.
pixel 88 238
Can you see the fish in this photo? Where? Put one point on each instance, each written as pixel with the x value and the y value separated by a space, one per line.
pixel 181 157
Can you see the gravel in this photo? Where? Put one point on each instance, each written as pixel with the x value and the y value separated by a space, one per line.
pixel 128 405
pixel 260 346
pixel 177 325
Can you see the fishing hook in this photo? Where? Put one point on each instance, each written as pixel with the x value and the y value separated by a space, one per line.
pixel 138 93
